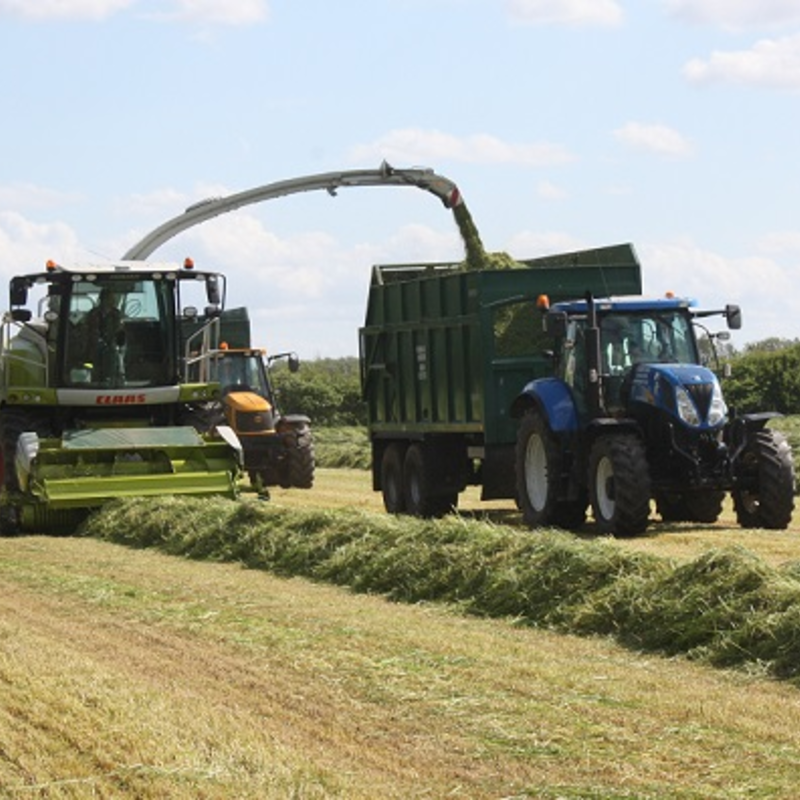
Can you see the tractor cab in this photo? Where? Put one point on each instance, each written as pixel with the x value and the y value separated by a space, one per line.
pixel 616 352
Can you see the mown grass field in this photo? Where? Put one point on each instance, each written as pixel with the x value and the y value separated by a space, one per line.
pixel 128 671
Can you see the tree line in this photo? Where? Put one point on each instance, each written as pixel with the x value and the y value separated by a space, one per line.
pixel 764 376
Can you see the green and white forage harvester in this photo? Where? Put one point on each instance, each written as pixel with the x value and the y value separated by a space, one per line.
pixel 95 403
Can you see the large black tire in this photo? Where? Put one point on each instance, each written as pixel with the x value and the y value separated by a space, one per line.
pixel 765 496
pixel 300 461
pixel 619 484
pixel 392 479
pixel 704 507
pixel 421 492
pixel 538 461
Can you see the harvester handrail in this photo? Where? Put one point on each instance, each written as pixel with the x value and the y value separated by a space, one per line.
pixel 209 343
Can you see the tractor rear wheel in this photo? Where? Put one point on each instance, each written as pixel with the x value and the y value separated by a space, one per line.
pixel 619 484
pixel 765 496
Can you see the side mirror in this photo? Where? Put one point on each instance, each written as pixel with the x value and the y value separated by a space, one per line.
pixel 293 362
pixel 734 316
pixel 19 291
pixel 212 290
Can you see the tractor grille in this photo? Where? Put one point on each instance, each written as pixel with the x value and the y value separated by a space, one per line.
pixel 254 421
pixel 701 394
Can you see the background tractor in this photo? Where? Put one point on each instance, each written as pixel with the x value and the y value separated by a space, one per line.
pixel 278 448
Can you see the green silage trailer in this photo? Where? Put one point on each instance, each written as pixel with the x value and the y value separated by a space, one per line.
pixel 445 351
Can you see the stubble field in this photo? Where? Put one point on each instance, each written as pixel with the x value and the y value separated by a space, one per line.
pixel 130 673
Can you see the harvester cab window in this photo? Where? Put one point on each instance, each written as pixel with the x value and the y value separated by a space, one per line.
pixel 116 337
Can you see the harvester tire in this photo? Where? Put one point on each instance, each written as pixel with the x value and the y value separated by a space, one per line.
pixel 300 461
pixel 619 484
pixel 538 469
pixel 766 497
pixel 12 424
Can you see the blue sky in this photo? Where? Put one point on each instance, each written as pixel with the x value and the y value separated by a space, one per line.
pixel 672 124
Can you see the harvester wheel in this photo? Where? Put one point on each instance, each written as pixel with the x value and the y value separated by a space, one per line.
pixel 765 498
pixel 538 468
pixel 619 484
pixel 392 479
pixel 421 497
pixel 300 461
pixel 12 424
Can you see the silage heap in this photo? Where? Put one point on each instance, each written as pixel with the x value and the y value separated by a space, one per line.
pixel 726 608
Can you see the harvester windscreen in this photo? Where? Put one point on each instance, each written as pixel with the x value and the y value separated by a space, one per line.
pixel 119 333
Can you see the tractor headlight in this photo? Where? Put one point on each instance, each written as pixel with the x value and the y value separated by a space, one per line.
pixel 687 410
pixel 717 410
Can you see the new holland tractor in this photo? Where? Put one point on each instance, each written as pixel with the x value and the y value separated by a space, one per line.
pixel 94 397
pixel 631 415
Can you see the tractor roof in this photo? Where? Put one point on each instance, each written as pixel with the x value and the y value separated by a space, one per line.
pixel 630 305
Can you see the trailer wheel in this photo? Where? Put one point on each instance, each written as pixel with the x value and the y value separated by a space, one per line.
pixel 765 495
pixel 392 479
pixel 419 486
pixel 619 484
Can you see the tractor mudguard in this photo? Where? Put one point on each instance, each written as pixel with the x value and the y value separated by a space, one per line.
pixel 555 401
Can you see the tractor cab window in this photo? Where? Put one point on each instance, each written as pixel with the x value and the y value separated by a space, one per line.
pixel 240 372
pixel 652 337
pixel 117 333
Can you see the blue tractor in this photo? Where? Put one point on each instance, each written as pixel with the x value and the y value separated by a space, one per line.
pixel 632 415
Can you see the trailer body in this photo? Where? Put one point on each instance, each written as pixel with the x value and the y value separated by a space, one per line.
pixel 444 352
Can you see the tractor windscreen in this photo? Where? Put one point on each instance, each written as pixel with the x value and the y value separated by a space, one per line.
pixel 120 333
pixel 662 337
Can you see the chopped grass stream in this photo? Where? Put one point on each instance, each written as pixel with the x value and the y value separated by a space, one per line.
pixel 726 607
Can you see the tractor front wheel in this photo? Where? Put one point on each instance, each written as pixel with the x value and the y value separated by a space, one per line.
pixel 764 497
pixel 619 484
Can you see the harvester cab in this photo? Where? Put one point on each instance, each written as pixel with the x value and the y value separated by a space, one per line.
pixel 278 448
pixel 632 414
pixel 94 397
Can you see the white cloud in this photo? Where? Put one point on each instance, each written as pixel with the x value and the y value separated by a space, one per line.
pixel 780 242
pixel 655 138
pixel 42 10
pixel 565 12
pixel 770 62
pixel 714 280
pixel 414 146
pixel 221 12
pixel 736 14
pixel 530 244
pixel 25 246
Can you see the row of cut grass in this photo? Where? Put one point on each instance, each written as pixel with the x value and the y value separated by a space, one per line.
pixel 726 607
